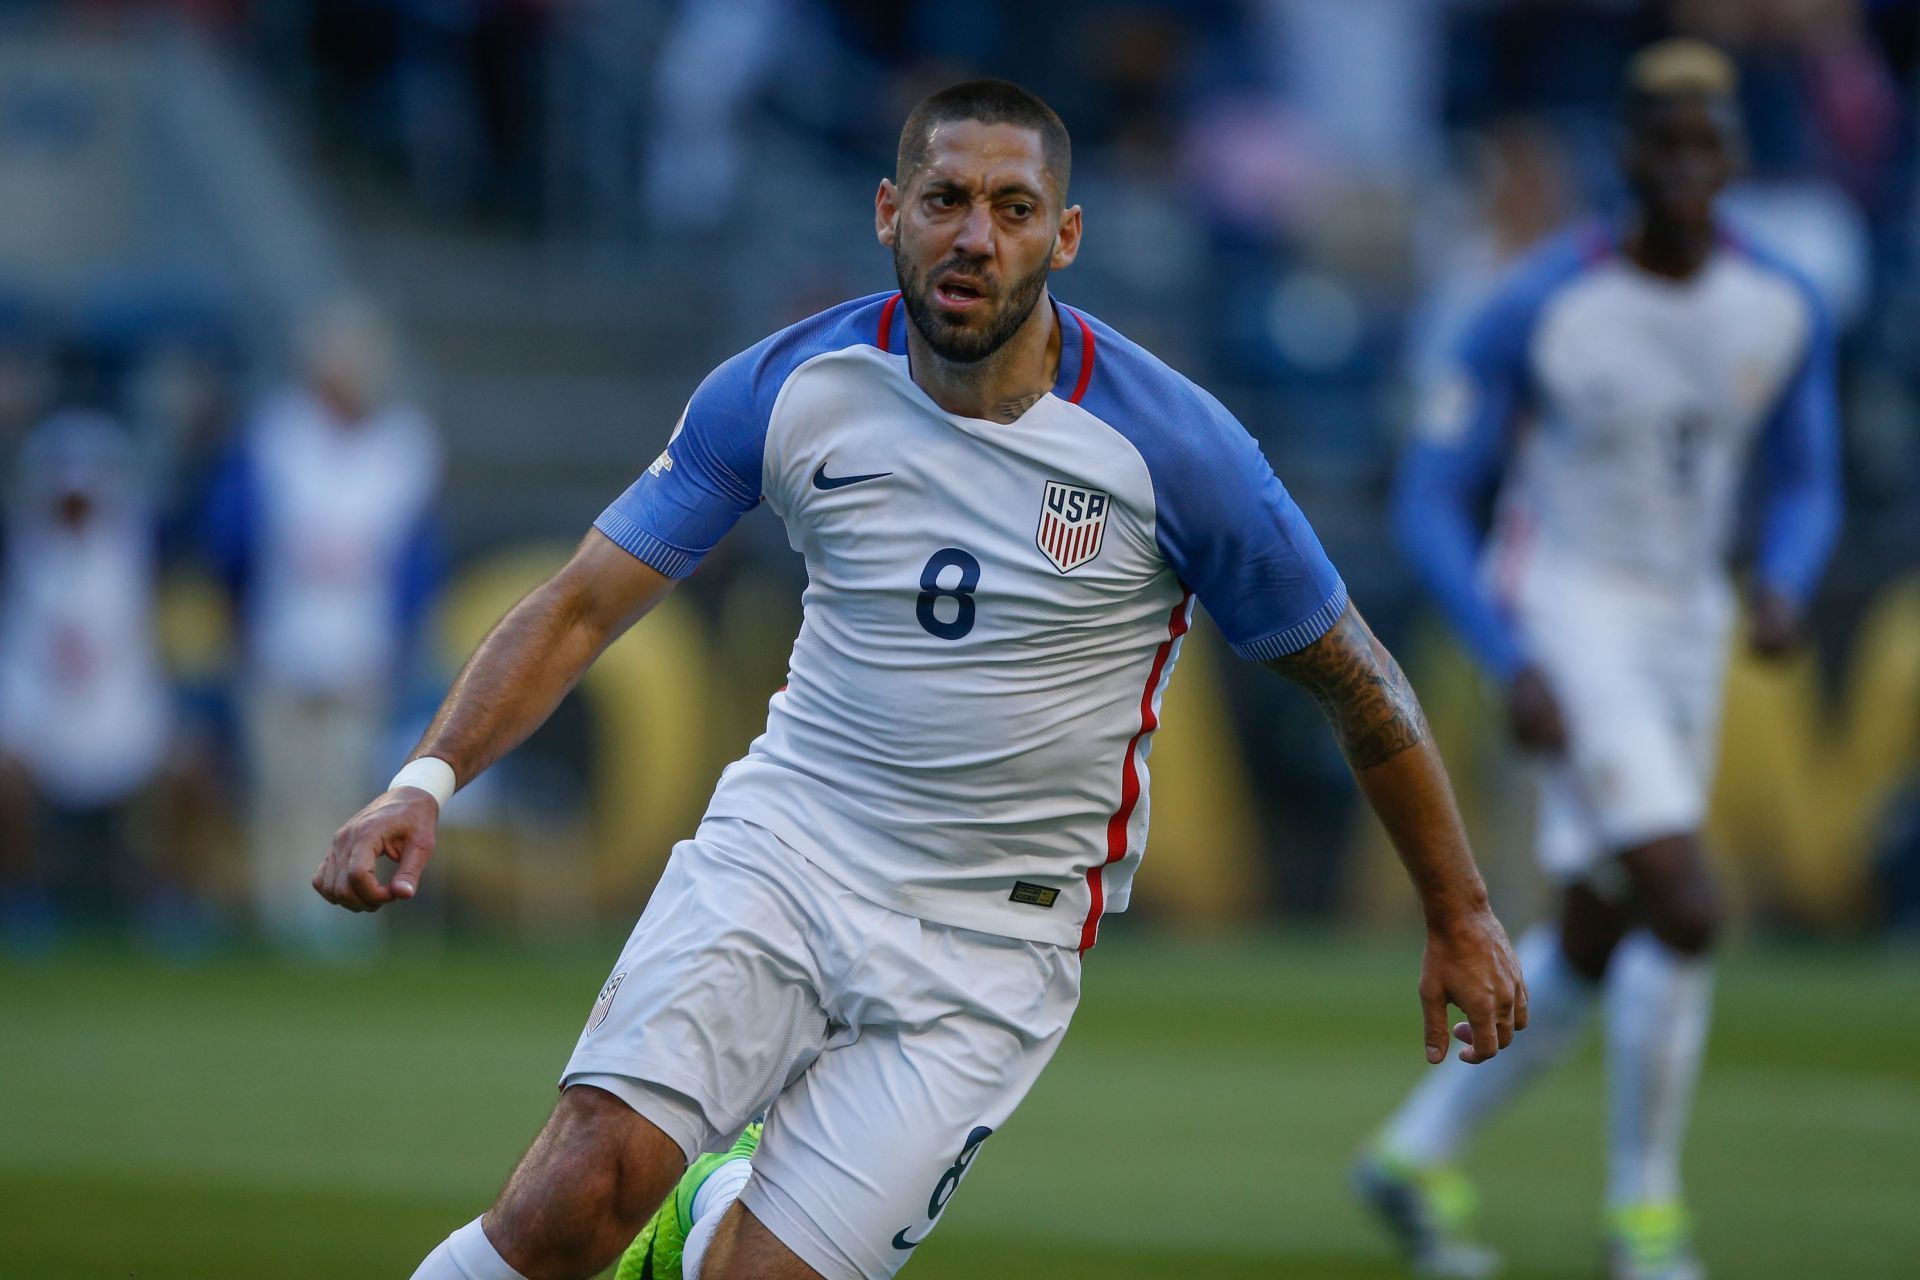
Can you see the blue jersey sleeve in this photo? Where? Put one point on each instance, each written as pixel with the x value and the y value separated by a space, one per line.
pixel 1235 536
pixel 1225 524
pixel 1800 472
pixel 709 474
pixel 703 482
pixel 1459 449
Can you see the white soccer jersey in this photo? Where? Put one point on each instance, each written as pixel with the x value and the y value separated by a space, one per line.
pixel 1642 400
pixel 1652 394
pixel 992 612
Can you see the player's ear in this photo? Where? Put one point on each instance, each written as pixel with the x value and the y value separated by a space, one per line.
pixel 1066 242
pixel 886 211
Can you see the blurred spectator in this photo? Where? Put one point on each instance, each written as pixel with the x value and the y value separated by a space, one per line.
pixel 712 62
pixel 1818 96
pixel 26 376
pixel 322 524
pixel 90 787
pixel 1365 78
pixel 183 398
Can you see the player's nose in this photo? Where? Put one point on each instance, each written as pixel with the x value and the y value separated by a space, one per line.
pixel 975 237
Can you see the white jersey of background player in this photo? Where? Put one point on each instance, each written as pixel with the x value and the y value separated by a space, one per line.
pixel 1626 379
pixel 1007 511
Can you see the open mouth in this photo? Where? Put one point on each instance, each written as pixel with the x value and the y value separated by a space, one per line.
pixel 958 293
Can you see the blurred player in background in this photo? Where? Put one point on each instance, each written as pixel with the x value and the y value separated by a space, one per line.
pixel 1647 365
pixel 1007 511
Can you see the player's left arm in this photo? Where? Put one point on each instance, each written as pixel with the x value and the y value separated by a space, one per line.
pixel 1374 713
pixel 1234 536
pixel 1800 465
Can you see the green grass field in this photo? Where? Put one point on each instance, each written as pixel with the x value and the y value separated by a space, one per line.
pixel 259 1122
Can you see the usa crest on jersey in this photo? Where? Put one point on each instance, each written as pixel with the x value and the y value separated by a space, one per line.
pixel 1073 521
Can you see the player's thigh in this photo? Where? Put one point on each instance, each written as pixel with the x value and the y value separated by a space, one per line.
pixel 714 1004
pixel 863 1154
pixel 743 1248
pixel 1695 682
pixel 1630 766
pixel 1675 891
pixel 1568 839
pixel 1592 923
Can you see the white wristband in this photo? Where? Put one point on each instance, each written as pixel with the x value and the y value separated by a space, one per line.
pixel 429 773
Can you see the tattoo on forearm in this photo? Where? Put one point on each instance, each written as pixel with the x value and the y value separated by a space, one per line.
pixel 1361 690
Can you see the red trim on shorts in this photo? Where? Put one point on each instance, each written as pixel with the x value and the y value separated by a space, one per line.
pixel 1086 359
pixel 1130 770
pixel 886 323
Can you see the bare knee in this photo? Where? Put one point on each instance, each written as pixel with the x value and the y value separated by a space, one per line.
pixel 1591 926
pixel 1689 921
pixel 584 1188
pixel 1677 894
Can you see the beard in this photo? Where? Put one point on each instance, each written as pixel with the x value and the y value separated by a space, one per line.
pixel 957 341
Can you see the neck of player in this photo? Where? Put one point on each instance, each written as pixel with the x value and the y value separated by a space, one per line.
pixel 1002 386
pixel 1669 247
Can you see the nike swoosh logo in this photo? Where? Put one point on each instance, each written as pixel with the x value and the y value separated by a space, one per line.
pixel 821 480
pixel 646 1263
pixel 901 1242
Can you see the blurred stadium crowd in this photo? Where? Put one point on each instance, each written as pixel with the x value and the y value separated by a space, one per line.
pixel 234 580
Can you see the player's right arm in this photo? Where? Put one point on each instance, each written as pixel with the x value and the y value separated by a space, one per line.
pixel 655 533
pixel 516 677
pixel 1456 457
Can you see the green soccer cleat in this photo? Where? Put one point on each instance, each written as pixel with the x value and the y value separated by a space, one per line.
pixel 1652 1242
pixel 1427 1210
pixel 656 1252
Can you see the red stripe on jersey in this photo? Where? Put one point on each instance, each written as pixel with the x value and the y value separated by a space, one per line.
pixel 886 323
pixel 1130 776
pixel 1086 359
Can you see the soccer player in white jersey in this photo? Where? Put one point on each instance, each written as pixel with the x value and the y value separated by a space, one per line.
pixel 875 936
pixel 1624 378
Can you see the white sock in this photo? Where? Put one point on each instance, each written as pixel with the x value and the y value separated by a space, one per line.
pixel 710 1204
pixel 1456 1097
pixel 467 1254
pixel 1659 1003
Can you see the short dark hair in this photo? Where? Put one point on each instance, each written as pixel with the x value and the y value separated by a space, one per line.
pixel 989 102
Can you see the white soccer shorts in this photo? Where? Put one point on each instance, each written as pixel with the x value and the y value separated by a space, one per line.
pixel 1639 672
pixel 885 1050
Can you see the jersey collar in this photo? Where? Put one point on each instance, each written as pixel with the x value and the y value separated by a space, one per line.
pixel 1078 348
